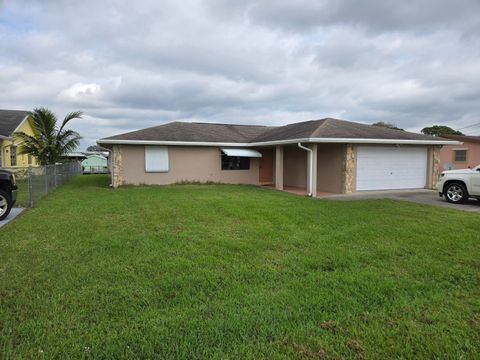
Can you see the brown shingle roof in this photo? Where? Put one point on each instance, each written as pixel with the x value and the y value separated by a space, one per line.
pixel 463 138
pixel 334 128
pixel 226 133
pixel 194 132
pixel 10 119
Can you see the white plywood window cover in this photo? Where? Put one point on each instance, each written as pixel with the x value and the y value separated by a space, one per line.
pixel 156 158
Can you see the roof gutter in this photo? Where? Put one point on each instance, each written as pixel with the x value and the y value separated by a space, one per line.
pixel 282 142
pixel 310 168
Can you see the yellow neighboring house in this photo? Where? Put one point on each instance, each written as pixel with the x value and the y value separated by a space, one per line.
pixel 10 122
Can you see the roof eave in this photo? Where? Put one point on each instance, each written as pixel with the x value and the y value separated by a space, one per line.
pixel 386 141
pixel 282 142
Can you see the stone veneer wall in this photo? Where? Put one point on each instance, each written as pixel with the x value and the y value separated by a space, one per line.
pixel 348 171
pixel 117 166
pixel 435 165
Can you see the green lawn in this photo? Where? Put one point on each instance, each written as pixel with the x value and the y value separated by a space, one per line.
pixel 217 271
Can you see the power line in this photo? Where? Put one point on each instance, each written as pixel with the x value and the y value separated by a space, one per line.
pixel 469 126
pixel 473 132
pixel 473 129
pixel 448 120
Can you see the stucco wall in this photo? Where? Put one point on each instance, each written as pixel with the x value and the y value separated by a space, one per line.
pixel 329 167
pixel 294 166
pixel 473 155
pixel 185 164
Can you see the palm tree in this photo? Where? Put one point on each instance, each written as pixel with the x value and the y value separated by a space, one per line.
pixel 49 143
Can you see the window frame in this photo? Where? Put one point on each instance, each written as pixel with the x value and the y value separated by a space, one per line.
pixel 13 155
pixel 239 159
pixel 455 152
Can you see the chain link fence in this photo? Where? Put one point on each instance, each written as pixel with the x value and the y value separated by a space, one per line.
pixel 36 181
pixel 96 170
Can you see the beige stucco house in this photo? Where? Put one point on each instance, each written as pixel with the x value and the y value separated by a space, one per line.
pixel 318 156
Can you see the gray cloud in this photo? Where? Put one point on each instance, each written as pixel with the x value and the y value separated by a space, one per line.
pixel 413 63
pixel 374 15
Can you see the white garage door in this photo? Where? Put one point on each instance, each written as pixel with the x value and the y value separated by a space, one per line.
pixel 391 167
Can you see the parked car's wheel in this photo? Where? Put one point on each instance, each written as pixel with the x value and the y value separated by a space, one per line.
pixel 456 193
pixel 5 204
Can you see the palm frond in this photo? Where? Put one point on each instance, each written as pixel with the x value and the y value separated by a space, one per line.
pixel 26 142
pixel 65 134
pixel 70 145
pixel 44 122
pixel 49 143
pixel 70 116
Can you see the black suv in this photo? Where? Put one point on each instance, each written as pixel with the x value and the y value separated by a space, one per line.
pixel 8 192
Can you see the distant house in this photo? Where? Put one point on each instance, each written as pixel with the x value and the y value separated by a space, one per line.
pixel 460 156
pixel 95 164
pixel 12 121
pixel 327 155
pixel 74 156
pixel 101 153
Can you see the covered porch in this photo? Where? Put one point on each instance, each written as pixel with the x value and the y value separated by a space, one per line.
pixel 303 191
pixel 316 170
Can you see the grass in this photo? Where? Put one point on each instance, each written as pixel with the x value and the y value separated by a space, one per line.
pixel 217 271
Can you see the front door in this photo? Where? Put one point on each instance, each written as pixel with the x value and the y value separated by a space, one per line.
pixel 266 166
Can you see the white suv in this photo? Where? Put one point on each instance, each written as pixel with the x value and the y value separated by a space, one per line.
pixel 458 185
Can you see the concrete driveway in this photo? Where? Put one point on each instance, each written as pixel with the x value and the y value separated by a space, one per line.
pixel 13 214
pixel 421 196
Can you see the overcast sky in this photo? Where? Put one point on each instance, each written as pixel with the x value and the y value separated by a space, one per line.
pixel 133 64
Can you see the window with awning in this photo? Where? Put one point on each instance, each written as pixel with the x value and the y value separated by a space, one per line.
pixel 241 152
pixel 237 158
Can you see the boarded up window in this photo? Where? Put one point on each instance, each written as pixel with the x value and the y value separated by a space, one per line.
pixel 156 158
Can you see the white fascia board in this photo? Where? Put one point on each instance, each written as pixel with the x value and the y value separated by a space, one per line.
pixel 282 142
pixel 385 141
pixel 358 141
pixel 179 143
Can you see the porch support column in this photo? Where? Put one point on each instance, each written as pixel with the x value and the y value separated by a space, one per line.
pixel 433 172
pixel 348 171
pixel 117 166
pixel 279 167
pixel 314 170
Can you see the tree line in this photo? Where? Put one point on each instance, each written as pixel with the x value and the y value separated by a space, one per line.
pixel 435 130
